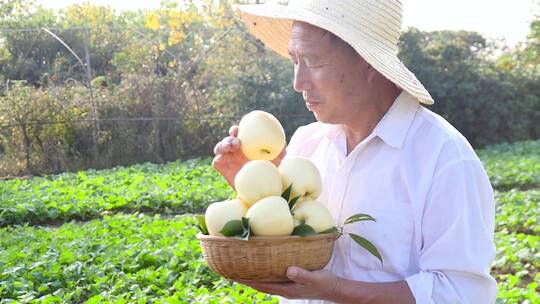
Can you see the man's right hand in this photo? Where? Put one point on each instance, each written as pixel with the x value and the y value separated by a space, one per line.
pixel 229 159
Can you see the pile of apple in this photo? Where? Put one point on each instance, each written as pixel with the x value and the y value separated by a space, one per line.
pixel 260 186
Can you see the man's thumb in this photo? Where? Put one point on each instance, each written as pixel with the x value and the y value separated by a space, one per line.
pixel 299 275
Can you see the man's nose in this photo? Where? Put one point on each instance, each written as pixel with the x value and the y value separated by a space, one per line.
pixel 302 81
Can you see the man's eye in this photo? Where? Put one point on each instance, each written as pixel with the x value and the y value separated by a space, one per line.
pixel 312 64
pixel 315 66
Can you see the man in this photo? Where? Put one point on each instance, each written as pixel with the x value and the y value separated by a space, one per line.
pixel 379 152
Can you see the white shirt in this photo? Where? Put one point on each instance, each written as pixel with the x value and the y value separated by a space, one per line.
pixel 423 183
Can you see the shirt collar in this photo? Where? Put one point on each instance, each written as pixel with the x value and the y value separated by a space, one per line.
pixel 394 125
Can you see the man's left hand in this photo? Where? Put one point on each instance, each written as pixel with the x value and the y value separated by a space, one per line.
pixel 319 284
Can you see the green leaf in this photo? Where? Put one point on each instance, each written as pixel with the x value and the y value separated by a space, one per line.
pixel 287 193
pixel 94 299
pixel 358 218
pixel 233 228
pixel 330 230
pixel 202 224
pixel 367 245
pixel 303 230
pixel 292 203
pixel 246 230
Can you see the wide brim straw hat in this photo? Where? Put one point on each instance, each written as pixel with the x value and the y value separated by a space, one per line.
pixel 371 27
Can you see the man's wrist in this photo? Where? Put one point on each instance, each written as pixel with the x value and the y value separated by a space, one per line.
pixel 337 291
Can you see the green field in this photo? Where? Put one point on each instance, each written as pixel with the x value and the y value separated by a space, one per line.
pixel 125 235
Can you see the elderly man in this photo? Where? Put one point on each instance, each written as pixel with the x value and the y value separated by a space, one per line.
pixel 379 152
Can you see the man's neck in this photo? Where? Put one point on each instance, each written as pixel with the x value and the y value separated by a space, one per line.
pixel 361 127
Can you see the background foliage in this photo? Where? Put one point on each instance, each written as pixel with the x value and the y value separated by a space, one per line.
pixel 166 84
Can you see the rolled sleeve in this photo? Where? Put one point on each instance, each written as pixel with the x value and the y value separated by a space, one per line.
pixel 457 238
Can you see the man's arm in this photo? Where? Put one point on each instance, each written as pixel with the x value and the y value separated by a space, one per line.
pixel 457 233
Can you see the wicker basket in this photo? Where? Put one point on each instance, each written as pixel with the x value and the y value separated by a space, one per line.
pixel 265 259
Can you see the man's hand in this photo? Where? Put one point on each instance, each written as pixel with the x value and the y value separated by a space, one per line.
pixel 325 285
pixel 319 284
pixel 229 159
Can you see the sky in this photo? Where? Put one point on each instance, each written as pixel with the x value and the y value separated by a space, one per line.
pixel 506 20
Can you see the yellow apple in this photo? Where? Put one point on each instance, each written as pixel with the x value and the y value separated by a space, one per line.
pixel 257 179
pixel 304 177
pixel 314 214
pixel 270 217
pixel 261 135
pixel 219 213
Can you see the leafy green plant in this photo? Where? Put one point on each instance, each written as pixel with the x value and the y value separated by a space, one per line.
pixel 177 187
pixel 121 259
pixel 514 165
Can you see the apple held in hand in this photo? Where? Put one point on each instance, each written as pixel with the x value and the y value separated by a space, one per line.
pixel 304 177
pixel 219 213
pixel 314 214
pixel 261 135
pixel 270 217
pixel 256 180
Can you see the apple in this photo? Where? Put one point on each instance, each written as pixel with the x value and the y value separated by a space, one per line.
pixel 261 135
pixel 314 214
pixel 219 213
pixel 257 179
pixel 303 175
pixel 270 217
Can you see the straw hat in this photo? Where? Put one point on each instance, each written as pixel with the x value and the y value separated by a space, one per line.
pixel 371 27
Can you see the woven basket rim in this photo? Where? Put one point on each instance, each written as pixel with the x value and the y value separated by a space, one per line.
pixel 201 236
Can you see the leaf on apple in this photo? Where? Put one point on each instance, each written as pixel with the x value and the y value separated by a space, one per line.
pixel 202 224
pixel 367 245
pixel 303 230
pixel 232 228
pixel 331 230
pixel 287 193
pixel 292 203
pixel 358 218
pixel 237 228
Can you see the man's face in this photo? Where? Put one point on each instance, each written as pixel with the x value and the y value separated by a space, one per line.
pixel 327 72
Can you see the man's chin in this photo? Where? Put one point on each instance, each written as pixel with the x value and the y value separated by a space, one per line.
pixel 320 118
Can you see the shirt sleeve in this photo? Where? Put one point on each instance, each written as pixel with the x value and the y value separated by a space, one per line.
pixel 457 233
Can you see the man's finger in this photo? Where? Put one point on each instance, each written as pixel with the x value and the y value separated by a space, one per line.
pixel 235 142
pixel 233 131
pixel 217 149
pixel 216 162
pixel 300 275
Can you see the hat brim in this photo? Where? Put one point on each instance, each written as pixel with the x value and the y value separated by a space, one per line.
pixel 272 24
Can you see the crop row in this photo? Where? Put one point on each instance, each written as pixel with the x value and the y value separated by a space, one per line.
pixel 120 258
pixel 174 188
pixel 514 165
